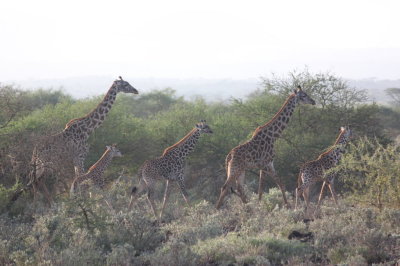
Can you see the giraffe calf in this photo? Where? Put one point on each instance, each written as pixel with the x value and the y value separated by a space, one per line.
pixel 169 166
pixel 318 170
pixel 94 176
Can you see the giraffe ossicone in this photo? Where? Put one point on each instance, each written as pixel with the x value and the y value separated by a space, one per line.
pixel 258 152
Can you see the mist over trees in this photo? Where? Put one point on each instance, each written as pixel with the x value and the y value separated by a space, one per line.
pixel 143 125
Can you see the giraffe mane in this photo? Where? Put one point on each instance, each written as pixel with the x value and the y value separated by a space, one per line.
pixel 333 146
pixel 258 129
pixel 179 142
pixel 98 161
pixel 72 121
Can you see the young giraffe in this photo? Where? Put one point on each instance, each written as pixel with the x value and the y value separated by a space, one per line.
pixel 169 166
pixel 258 152
pixel 94 176
pixel 315 171
pixel 71 143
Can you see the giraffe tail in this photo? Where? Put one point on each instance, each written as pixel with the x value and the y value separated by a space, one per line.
pixel 135 191
pixel 227 159
pixel 73 189
pixel 296 191
pixel 299 180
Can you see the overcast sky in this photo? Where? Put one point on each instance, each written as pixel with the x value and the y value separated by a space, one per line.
pixel 45 39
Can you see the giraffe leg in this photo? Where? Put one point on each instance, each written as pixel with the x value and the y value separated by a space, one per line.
pixel 332 189
pixel 299 191
pixel 79 164
pixel 183 190
pixel 239 184
pixel 34 190
pixel 302 191
pixel 261 184
pixel 321 193
pixel 271 171
pixel 228 183
pixel 166 192
pixel 306 194
pixel 150 194
pixel 46 192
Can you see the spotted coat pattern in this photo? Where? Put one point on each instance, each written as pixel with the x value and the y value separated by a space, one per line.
pixel 94 176
pixel 169 167
pixel 317 170
pixel 71 144
pixel 258 152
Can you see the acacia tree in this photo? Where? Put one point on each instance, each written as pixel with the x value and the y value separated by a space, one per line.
pixel 326 89
pixel 394 94
pixel 10 103
pixel 370 171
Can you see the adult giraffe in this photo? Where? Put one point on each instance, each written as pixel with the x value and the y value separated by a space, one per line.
pixel 258 152
pixel 71 144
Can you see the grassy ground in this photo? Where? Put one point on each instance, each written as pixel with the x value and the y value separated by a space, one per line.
pixel 79 232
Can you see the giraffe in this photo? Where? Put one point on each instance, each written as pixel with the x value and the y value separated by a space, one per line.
pixel 169 166
pixel 316 170
pixel 258 152
pixel 71 143
pixel 94 176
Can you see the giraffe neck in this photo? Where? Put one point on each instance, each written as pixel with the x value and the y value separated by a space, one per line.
pixel 101 165
pixel 338 148
pixel 341 139
pixel 185 146
pixel 274 128
pixel 86 125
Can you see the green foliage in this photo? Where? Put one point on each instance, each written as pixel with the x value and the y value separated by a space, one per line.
pixel 371 171
pixel 394 93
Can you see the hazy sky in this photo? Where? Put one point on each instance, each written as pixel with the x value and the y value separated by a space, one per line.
pixel 44 39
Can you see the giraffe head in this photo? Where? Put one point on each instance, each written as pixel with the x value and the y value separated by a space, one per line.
pixel 345 136
pixel 114 151
pixel 203 127
pixel 348 133
pixel 302 97
pixel 123 86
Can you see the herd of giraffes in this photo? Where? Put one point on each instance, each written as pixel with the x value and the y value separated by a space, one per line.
pixel 258 152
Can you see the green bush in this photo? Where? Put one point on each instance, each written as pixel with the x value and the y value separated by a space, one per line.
pixel 370 171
